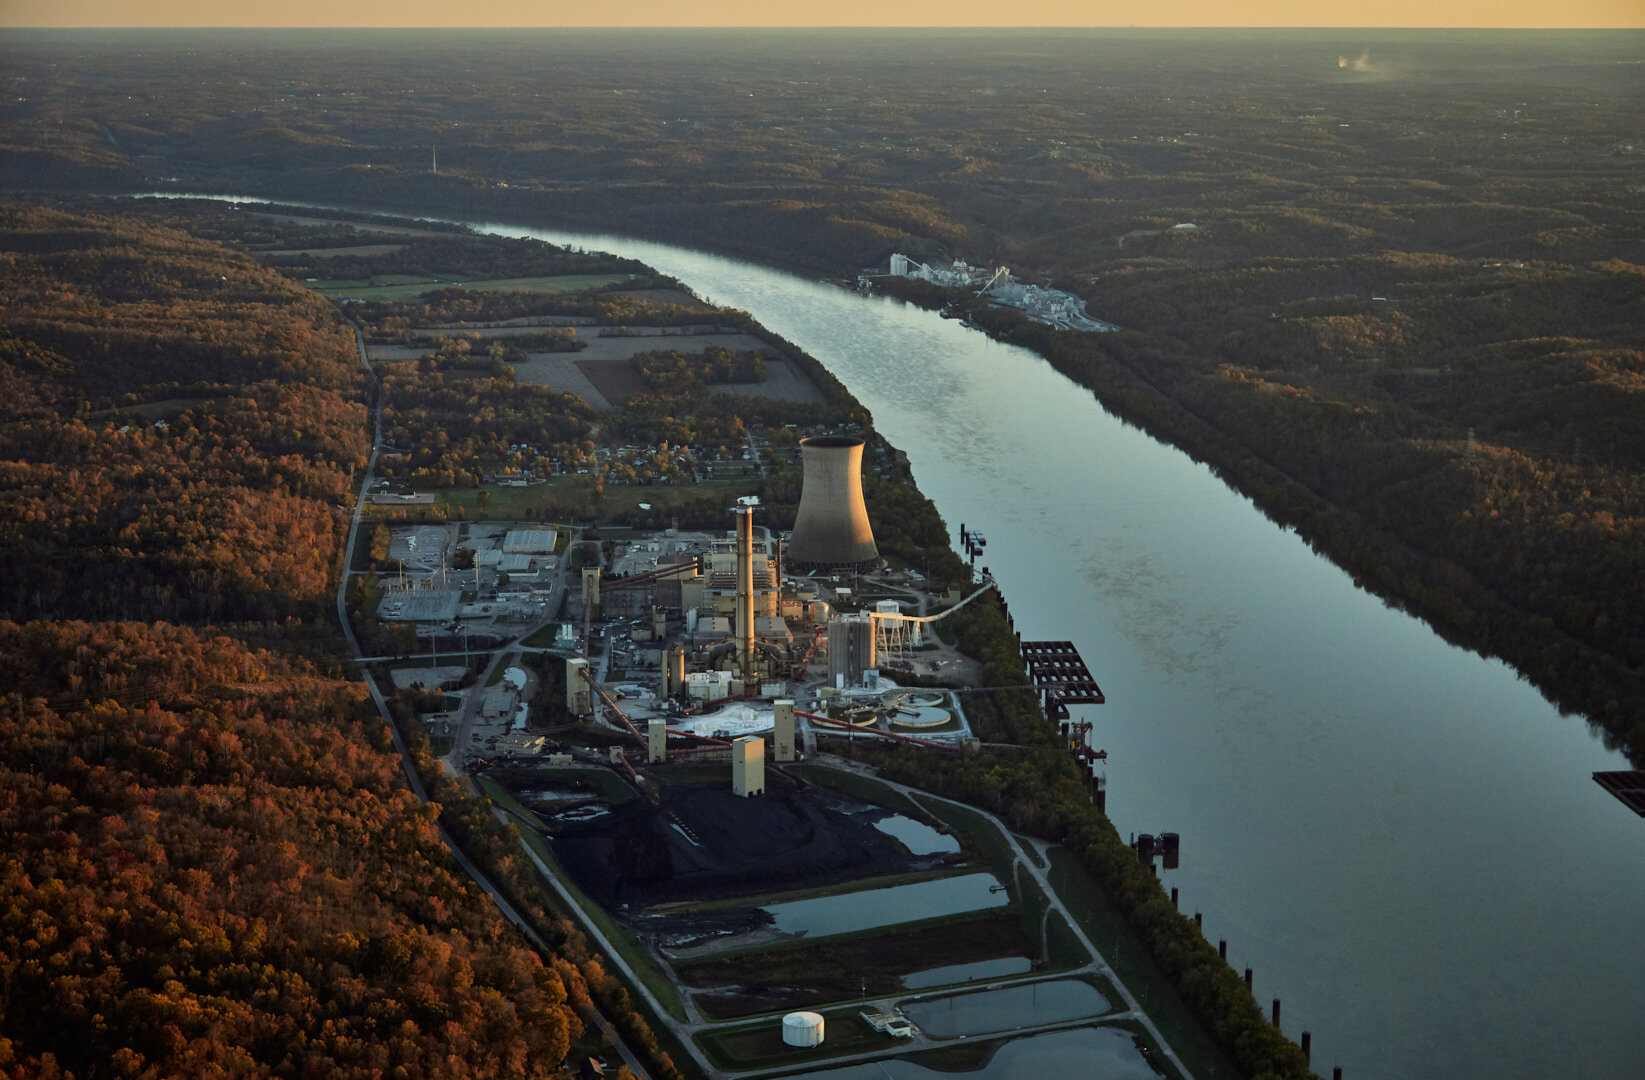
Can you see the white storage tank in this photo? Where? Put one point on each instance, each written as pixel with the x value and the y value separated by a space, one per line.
pixel 803 1029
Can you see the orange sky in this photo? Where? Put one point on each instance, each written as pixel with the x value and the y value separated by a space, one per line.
pixel 446 13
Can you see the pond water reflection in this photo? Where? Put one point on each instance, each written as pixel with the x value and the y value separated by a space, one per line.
pixel 868 908
pixel 987 1012
pixel 918 837
pixel 957 973
pixel 1097 1053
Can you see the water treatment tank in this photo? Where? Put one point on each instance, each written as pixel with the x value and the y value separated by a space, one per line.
pixel 803 1029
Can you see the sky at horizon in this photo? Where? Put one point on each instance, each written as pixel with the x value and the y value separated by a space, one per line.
pixel 1482 14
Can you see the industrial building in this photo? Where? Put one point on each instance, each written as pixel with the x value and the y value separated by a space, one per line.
pixel 748 766
pixel 730 665
pixel 529 542
pixel 831 529
pixel 1052 306
pixel 851 649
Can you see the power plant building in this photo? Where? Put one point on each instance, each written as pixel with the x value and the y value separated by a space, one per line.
pixel 782 730
pixel 579 699
pixel 850 649
pixel 529 542
pixel 831 529
pixel 748 766
pixel 714 592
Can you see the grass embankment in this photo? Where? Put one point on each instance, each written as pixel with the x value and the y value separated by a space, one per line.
pixel 362 560
pixel 976 834
pixel 563 498
pixel 501 669
pixel 861 787
pixel 855 885
pixel 413 286
pixel 1129 957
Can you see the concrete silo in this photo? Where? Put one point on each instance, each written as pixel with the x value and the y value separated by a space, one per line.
pixel 831 529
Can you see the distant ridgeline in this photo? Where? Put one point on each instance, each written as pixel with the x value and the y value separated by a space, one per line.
pixel 213 861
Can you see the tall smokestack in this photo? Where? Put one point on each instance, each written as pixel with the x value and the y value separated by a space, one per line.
pixel 745 593
pixel 831 528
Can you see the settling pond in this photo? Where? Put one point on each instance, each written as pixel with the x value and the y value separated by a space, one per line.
pixel 1096 1053
pixel 918 837
pixel 847 913
pixel 958 973
pixel 988 1012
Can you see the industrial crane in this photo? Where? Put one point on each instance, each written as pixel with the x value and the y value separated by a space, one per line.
pixel 810 651
pixel 1001 272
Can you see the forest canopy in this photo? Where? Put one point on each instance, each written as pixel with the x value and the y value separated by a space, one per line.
pixel 215 866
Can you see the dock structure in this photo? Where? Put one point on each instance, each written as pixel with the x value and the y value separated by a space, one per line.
pixel 1057 671
pixel 1628 787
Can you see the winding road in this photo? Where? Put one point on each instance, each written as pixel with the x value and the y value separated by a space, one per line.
pixel 509 911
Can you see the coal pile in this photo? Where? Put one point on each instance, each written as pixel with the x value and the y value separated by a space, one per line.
pixel 704 843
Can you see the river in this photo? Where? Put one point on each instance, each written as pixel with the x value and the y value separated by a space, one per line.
pixel 1400 837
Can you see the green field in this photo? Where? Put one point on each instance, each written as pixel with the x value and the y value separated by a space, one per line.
pixel 563 283
pixel 571 497
pixel 842 968
pixel 410 287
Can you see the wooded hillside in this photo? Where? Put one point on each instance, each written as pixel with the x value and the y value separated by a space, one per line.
pixel 214 865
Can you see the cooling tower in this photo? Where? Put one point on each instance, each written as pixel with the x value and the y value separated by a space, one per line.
pixel 831 528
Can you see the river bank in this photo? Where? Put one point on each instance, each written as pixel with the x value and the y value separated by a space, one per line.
pixel 1458 605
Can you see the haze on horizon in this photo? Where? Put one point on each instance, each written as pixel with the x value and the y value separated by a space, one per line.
pixel 1460 14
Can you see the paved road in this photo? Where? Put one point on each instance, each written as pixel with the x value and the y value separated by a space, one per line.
pixel 1135 1010
pixel 509 911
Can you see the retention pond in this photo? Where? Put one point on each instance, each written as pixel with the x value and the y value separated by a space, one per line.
pixel 988 1012
pixel 959 973
pixel 1102 1053
pixel 847 913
